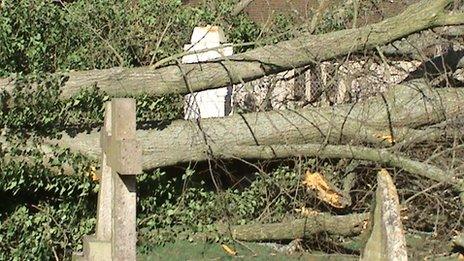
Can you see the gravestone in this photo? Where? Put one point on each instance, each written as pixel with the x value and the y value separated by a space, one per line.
pixel 115 236
pixel 208 103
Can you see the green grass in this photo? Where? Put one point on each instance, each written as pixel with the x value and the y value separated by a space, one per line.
pixel 184 250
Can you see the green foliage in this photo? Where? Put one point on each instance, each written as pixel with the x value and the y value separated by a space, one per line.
pixel 33 107
pixel 28 170
pixel 50 195
pixel 37 108
pixel 180 207
pixel 46 36
pixel 29 34
pixel 45 210
pixel 40 231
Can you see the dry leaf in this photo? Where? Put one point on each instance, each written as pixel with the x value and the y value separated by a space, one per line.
pixel 93 174
pixel 229 250
pixel 324 190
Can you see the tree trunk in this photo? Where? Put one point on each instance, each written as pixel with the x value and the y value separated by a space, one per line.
pixel 348 225
pixel 286 55
pixel 404 107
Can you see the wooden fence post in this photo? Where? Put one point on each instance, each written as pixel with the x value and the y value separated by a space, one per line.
pixel 121 161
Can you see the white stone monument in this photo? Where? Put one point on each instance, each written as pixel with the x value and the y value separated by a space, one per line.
pixel 208 103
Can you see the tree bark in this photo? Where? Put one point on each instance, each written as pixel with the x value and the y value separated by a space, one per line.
pixel 418 46
pixel 286 55
pixel 405 107
pixel 348 225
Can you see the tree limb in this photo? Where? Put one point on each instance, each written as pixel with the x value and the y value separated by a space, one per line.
pixel 259 62
pixel 381 156
pixel 411 105
pixel 347 225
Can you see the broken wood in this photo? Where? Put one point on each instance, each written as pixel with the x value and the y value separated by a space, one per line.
pixel 459 240
pixel 386 240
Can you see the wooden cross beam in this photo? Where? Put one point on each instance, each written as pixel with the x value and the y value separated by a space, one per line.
pixel 116 236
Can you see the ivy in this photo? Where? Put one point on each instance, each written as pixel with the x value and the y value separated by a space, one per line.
pixel 34 107
pixel 50 195
pixel 39 36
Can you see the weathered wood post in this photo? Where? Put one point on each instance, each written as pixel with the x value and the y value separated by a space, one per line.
pixel 116 236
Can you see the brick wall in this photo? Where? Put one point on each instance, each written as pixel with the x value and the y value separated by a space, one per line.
pixel 262 10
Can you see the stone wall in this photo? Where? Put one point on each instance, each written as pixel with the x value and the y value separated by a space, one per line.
pixel 329 83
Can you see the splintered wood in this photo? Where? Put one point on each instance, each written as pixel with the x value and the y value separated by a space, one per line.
pixel 324 190
pixel 386 241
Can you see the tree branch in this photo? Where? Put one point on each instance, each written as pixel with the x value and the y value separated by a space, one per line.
pixel 347 225
pixel 381 156
pixel 286 55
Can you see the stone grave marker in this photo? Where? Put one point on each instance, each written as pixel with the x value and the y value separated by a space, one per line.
pixel 115 236
pixel 208 103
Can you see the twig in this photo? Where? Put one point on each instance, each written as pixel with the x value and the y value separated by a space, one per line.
pixel 159 41
pixel 381 156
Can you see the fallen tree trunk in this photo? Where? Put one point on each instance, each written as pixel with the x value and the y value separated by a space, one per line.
pixel 399 110
pixel 416 46
pixel 348 225
pixel 342 225
pixel 277 134
pixel 286 55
